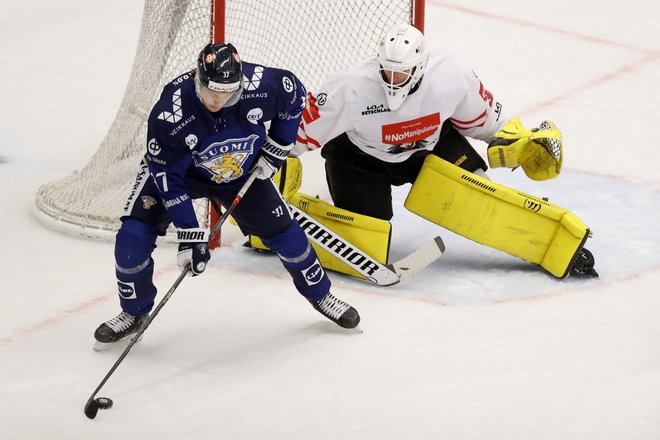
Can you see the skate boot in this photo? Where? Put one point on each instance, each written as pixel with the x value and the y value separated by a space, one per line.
pixel 583 266
pixel 118 329
pixel 337 311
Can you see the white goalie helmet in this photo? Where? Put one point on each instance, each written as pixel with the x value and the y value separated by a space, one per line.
pixel 403 58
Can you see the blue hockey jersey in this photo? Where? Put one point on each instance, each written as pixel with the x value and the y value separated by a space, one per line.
pixel 188 146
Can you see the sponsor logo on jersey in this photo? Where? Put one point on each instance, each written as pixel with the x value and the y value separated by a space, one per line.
pixel 313 274
pixel 191 141
pixel 311 112
pixel 152 147
pixel 224 160
pixel 137 187
pixel 411 131
pixel 485 94
pixel 287 84
pixel 498 110
pixel 253 82
pixel 180 79
pixel 185 122
pixel 176 114
pixel 255 115
pixel 254 95
pixel 176 201
pixel 286 116
pixel 321 98
pixel 126 290
pixel 148 202
pixel 375 108
pixel 156 160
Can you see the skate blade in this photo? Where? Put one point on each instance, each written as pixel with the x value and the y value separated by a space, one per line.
pixel 120 344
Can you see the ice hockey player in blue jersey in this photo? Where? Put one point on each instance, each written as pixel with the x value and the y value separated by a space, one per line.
pixel 206 134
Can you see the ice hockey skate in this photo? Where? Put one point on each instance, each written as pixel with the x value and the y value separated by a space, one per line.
pixel 337 311
pixel 117 330
pixel 583 267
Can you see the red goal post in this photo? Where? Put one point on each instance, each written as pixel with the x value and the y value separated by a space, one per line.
pixel 312 38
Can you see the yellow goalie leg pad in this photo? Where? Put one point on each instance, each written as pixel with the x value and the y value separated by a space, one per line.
pixel 497 216
pixel 370 235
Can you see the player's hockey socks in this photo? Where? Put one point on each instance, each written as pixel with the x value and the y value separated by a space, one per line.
pixel 300 260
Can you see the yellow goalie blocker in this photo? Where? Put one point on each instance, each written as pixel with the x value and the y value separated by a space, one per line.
pixel 497 216
pixel 370 235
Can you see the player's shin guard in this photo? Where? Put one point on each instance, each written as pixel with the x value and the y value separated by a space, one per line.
pixel 134 267
pixel 299 259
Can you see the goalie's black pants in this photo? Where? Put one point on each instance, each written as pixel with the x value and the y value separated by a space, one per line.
pixel 363 184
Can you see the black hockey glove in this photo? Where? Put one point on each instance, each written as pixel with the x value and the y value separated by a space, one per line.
pixel 270 159
pixel 193 249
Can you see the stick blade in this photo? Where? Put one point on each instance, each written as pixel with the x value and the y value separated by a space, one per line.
pixel 420 259
pixel 91 408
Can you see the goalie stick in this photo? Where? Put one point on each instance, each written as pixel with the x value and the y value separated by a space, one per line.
pixel 373 270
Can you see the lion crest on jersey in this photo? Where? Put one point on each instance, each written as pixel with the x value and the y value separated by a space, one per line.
pixel 224 160
pixel 148 202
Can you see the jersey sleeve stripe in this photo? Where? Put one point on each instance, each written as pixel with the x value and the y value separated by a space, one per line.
pixel 479 121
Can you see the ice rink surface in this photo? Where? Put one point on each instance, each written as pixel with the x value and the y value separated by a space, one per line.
pixel 478 346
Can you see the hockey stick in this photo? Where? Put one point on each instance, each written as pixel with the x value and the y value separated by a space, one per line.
pixel 353 256
pixel 93 404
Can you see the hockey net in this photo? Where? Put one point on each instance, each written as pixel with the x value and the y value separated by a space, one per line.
pixel 309 37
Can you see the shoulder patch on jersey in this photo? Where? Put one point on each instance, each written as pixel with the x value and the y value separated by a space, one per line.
pixel 152 147
pixel 176 114
pixel 254 81
pixel 287 84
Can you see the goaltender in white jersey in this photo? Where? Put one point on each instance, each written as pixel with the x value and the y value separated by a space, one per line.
pixel 387 127
pixel 377 121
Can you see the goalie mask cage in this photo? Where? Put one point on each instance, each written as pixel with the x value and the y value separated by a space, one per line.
pixel 312 38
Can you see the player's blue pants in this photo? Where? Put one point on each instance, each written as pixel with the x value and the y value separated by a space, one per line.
pixel 261 212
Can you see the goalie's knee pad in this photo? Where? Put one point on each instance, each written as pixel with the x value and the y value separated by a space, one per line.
pixel 300 260
pixel 134 267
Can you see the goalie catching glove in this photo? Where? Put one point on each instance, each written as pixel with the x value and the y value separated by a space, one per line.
pixel 193 249
pixel 538 151
pixel 270 159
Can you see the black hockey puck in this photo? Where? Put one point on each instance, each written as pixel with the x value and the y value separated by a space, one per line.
pixel 103 402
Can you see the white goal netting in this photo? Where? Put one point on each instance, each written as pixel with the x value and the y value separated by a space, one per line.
pixel 309 37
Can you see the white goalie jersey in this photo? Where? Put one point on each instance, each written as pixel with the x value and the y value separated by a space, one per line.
pixel 352 101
